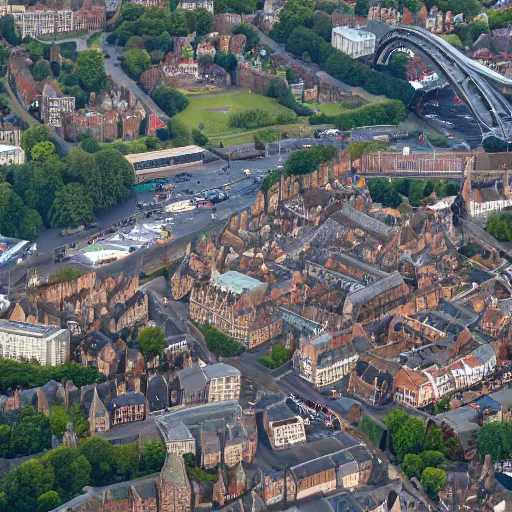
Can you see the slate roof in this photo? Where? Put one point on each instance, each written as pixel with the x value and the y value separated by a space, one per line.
pixel 354 219
pixel 330 357
pixel 279 411
pixel 173 471
pixel 213 371
pixel 94 342
pixel 127 399
pixel 158 395
pixel 375 289
pixel 192 378
pixel 177 431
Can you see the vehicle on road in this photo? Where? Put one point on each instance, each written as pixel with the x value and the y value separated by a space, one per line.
pixel 216 195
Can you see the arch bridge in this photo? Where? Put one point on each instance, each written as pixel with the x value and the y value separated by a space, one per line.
pixel 476 85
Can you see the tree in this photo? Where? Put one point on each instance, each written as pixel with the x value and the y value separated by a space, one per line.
pixel 394 420
pixel 90 144
pixel 5 440
pixel 43 151
pixel 130 12
pixel 170 100
pixel 178 132
pixel 219 343
pixel 433 480
pixel 252 39
pixel 135 62
pixel 305 161
pixel 280 355
pixel 499 225
pixel 409 438
pixel 24 484
pixel 495 439
pixel 412 465
pixel 72 207
pixel 204 22
pixel 59 419
pixel 151 142
pixel 81 470
pixel 362 7
pixel 434 439
pixel 190 459
pixel 199 138
pixel 151 342
pixel 162 134
pixel 79 419
pixel 48 501
pixel 470 8
pixel 157 56
pixel 179 24
pixel 153 456
pixel 126 461
pixel 322 25
pixel 397 65
pixel 100 454
pixel 134 42
pixel 294 14
pixel 226 61
pixel 31 433
pixel 9 30
pixel 34 135
pixel 90 71
pixel 41 70
pixel 382 192
pixel 432 458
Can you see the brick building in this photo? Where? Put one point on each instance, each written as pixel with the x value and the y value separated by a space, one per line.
pixel 173 486
pixel 91 17
pixel 20 77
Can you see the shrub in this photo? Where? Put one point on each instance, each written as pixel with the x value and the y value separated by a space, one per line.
pixel 413 465
pixel 170 100
pixel 250 119
pixel 65 274
pixel 372 431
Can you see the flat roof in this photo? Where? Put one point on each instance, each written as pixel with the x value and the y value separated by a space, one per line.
pixel 36 331
pixel 163 153
pixel 354 34
pixel 237 282
pixel 4 148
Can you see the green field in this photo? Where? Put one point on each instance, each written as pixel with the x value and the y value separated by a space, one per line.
pixel 93 41
pixel 214 110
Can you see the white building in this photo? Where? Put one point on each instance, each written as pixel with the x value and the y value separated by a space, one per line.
pixel 47 344
pixel 354 42
pixel 11 154
pixel 193 5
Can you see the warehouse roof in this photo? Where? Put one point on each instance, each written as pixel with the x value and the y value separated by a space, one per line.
pixel 164 153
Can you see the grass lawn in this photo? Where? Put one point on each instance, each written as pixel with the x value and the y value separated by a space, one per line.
pixel 331 109
pixel 93 41
pixel 214 110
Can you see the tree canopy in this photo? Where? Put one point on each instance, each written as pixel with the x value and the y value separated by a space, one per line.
pixel 135 62
pixel 90 70
pixel 499 225
pixel 151 342
pixel 170 100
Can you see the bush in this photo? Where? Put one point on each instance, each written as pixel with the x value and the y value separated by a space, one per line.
pixel 305 161
pixel 200 139
pixel 162 134
pixel 65 274
pixel 286 117
pixel 250 119
pixel 170 100
pixel 433 480
pixel 499 225
pixel 277 357
pixel 413 465
pixel 219 343
pixel 432 458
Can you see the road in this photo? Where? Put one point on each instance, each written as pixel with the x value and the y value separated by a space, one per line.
pixel 186 225
pixel 121 78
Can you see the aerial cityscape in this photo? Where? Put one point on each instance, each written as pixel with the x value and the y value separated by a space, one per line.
pixel 255 255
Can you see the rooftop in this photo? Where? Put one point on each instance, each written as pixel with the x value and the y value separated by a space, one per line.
pixel 163 153
pixel 236 282
pixel 177 431
pixel 36 331
pixel 213 371
pixel 353 33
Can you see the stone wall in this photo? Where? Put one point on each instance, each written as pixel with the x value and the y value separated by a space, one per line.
pixel 256 81
pixel 328 92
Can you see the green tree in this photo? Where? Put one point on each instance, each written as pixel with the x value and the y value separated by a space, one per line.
pixel 305 161
pixel 495 439
pixel 226 61
pixel 397 65
pixel 61 460
pixel 90 71
pixel 81 470
pixel 433 480
pixel 499 225
pixel 24 484
pixel 252 38
pixel 126 461
pixel 100 454
pixel 153 456
pixel 362 7
pixel 34 135
pixel 134 42
pixel 170 100
pixel 41 70
pixel 432 458
pixel 151 342
pixel 79 419
pixel 5 440
pixel 43 151
pixel 394 420
pixel 59 419
pixel 48 501
pixel 470 8
pixel 178 132
pixel 190 459
pixel 9 30
pixel 434 439
pixel 31 433
pixel 412 465
pixel 89 144
pixel 199 138
pixel 322 25
pixel 179 24
pixel 130 12
pixel 294 14
pixel 72 207
pixel 204 22
pixel 409 438
pixel 135 62
pixel 280 354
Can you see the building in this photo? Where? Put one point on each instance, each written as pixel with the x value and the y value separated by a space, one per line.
pixel 10 134
pixel 20 78
pixel 353 42
pixel 165 162
pixel 178 439
pixel 224 382
pixel 39 22
pixel 233 303
pixel 11 154
pixel 193 5
pixel 48 345
pixel 284 428
pixel 54 106
pixel 127 408
pixel 173 486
